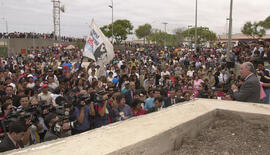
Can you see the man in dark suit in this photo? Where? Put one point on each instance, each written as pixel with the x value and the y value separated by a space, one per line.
pixel 10 92
pixel 172 99
pixel 250 89
pixel 129 95
pixel 13 139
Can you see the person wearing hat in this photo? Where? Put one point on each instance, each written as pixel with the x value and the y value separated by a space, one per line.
pixel 45 94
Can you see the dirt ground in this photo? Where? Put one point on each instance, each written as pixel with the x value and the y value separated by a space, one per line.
pixel 228 137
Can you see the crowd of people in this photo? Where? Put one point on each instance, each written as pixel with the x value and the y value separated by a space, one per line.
pixel 49 94
pixel 32 35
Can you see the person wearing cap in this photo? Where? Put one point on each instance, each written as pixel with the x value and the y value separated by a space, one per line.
pixel 45 94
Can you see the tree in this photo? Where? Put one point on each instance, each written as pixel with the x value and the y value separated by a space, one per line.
pixel 121 28
pixel 143 31
pixel 266 23
pixel 162 38
pixel 179 34
pixel 204 34
pixel 255 30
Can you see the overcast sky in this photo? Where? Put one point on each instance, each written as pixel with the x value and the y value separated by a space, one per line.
pixel 36 15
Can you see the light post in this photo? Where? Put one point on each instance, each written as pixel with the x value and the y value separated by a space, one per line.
pixel 189 38
pixel 165 24
pixel 226 28
pixel 196 30
pixel 111 6
pixel 6 41
pixel 229 48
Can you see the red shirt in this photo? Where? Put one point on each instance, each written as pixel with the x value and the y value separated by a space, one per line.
pixel 139 112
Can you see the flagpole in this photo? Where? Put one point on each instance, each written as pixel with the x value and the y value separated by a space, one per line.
pixel 81 64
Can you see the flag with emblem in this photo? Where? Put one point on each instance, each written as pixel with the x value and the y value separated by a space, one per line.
pixel 98 47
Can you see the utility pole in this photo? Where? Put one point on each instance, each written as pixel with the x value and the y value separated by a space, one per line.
pixel 229 48
pixel 196 27
pixel 111 6
pixel 189 38
pixel 56 18
pixel 165 24
pixel 6 41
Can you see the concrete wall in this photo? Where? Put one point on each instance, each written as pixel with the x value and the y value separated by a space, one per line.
pixel 154 133
pixel 15 45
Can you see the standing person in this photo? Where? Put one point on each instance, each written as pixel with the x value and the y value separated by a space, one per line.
pixel 82 113
pixel 129 95
pixel 250 89
pixel 265 79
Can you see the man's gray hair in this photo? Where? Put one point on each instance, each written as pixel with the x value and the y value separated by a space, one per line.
pixel 250 67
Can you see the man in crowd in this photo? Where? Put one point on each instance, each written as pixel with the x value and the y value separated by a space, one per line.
pixel 13 139
pixel 250 89
pixel 265 79
pixel 57 128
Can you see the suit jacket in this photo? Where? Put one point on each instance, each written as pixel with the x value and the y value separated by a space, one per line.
pixel 7 145
pixel 129 98
pixel 249 91
pixel 168 101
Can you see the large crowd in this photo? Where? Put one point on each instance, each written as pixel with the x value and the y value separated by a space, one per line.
pixel 49 93
pixel 33 35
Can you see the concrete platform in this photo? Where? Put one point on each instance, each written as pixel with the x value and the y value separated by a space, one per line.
pixel 150 134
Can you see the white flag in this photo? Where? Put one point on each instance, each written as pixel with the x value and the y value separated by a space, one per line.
pixel 98 47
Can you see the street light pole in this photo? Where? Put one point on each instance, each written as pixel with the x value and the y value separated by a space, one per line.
pixel 165 24
pixel 196 30
pixel 189 38
pixel 229 48
pixel 111 6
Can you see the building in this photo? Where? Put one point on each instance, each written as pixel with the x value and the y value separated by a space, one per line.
pixel 241 37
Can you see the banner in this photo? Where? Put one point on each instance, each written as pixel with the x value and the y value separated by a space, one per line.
pixel 98 47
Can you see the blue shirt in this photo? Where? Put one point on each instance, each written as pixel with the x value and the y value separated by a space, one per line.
pixel 149 103
pixel 67 64
pixel 86 123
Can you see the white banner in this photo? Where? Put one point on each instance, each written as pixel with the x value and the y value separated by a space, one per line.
pixel 98 47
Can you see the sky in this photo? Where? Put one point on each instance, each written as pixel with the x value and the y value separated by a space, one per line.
pixel 37 16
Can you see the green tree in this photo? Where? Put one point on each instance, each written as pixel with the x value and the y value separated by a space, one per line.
pixel 179 35
pixel 266 23
pixel 80 44
pixel 143 31
pixel 204 34
pixel 121 28
pixel 162 38
pixel 255 30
